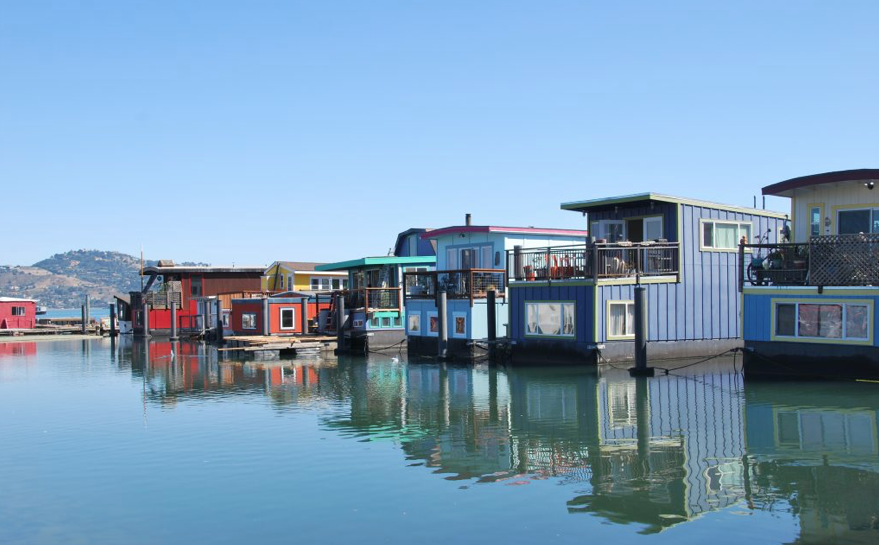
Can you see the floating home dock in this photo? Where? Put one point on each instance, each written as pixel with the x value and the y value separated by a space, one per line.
pixel 273 346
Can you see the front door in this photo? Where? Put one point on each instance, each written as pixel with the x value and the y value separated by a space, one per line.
pixel 635 230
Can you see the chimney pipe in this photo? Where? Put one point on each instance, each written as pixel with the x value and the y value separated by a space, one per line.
pixel 467 219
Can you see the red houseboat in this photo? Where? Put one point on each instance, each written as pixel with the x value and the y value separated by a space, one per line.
pixel 17 313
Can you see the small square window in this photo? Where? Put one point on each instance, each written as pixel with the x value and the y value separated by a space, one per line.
pixel 288 320
pixel 248 321
pixel 386 321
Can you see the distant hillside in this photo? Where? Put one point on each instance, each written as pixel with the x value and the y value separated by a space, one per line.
pixel 63 280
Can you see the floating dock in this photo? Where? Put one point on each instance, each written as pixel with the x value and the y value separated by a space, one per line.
pixel 273 346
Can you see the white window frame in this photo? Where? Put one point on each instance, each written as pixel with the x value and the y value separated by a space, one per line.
pixel 416 318
pixel 844 303
pixel 252 315
pixel 739 234
pixel 561 334
pixel 324 283
pixel 598 229
pixel 813 225
pixel 874 210
pixel 611 336
pixel 653 219
pixel 281 318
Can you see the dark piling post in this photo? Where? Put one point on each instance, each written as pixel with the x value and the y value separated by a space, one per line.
pixel 303 316
pixel 266 319
pixel 443 337
pixel 88 312
pixel 114 330
pixel 491 311
pixel 641 368
pixel 340 323
pixel 84 324
pixel 174 336
pixel 219 320
pixel 642 412
pixel 518 268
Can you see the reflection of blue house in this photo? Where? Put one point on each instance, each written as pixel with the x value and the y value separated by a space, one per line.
pixel 470 263
pixel 811 306
pixel 573 303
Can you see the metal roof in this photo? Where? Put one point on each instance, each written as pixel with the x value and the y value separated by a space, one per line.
pixel 785 188
pixel 365 262
pixel 503 230
pixel 610 202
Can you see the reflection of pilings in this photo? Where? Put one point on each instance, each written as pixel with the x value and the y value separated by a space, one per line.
pixel 492 395
pixel 642 411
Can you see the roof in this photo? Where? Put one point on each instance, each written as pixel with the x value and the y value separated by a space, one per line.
pixel 402 236
pixel 122 297
pixel 364 262
pixel 303 266
pixel 16 300
pixel 211 269
pixel 596 205
pixel 784 189
pixel 503 230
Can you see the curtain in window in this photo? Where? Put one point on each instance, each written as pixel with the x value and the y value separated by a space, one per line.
pixel 618 319
pixel 630 319
pixel 856 322
pixel 725 235
pixel 568 325
pixel 531 319
pixel 549 319
pixel 807 319
pixel 830 321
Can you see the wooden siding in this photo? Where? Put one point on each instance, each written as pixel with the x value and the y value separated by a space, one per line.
pixel 830 197
pixel 582 295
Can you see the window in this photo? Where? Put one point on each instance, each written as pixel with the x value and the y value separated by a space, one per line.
pixel 621 320
pixel 413 245
pixel 373 322
pixel 838 320
pixel 281 279
pixel 414 323
pixel 724 235
pixel 397 321
pixel 815 221
pixel 225 320
pixel 195 287
pixel 358 324
pixel 610 230
pixel 386 321
pixel 852 222
pixel 290 283
pixel 337 283
pixel 550 319
pixel 288 320
pixel 248 321
pixel 476 257
pixel 18 311
pixel 319 283
pixel 653 228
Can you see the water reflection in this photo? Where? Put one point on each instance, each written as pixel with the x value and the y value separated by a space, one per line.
pixel 653 452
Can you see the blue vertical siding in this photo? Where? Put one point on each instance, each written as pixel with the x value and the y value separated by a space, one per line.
pixel 582 295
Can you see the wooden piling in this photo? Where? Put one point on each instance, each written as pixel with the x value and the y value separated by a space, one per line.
pixel 443 337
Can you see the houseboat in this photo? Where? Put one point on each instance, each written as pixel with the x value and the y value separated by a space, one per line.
pixel 193 289
pixel 373 302
pixel 576 304
pixel 17 313
pixel 470 263
pixel 284 309
pixel 300 276
pixel 811 303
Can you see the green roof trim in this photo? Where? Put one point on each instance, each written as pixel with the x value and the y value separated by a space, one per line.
pixel 599 203
pixel 364 262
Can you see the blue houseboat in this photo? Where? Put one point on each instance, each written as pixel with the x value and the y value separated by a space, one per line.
pixel 470 263
pixel 811 303
pixel 576 304
pixel 374 311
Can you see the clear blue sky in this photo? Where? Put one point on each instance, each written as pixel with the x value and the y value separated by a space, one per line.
pixel 254 131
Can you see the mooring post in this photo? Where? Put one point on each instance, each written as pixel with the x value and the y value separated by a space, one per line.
pixel 641 368
pixel 491 312
pixel 219 320
pixel 266 319
pixel 340 323
pixel 113 325
pixel 146 320
pixel 88 311
pixel 518 268
pixel 174 336
pixel 84 323
pixel 642 415
pixel 303 316
pixel 442 345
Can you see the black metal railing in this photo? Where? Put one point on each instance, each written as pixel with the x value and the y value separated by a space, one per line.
pixel 833 260
pixel 458 284
pixel 594 261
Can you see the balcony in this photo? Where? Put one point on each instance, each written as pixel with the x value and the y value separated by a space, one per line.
pixel 599 261
pixel 373 299
pixel 833 260
pixel 468 284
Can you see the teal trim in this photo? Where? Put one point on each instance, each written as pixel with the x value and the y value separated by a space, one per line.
pixel 364 262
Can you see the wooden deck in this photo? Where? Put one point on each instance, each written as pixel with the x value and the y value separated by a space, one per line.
pixel 274 345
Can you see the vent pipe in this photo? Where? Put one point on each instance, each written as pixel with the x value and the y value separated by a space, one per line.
pixel 468 220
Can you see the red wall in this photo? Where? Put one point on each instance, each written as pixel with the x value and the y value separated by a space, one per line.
pixel 27 321
pixel 239 308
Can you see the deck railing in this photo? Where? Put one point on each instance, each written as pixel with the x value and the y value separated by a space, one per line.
pixel 373 299
pixel 832 260
pixel 469 284
pixel 594 261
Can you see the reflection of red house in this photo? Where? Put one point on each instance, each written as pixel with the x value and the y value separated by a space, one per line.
pixel 285 314
pixel 188 287
pixel 17 313
pixel 18 349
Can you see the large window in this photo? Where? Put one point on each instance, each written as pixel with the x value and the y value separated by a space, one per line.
pixel 610 230
pixel 288 318
pixel 476 257
pixel 195 287
pixel 18 311
pixel 852 222
pixel 320 283
pixel 555 319
pixel 248 321
pixel 838 320
pixel 724 235
pixel 620 320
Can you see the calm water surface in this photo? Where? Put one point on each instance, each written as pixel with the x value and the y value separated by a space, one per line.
pixel 121 442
